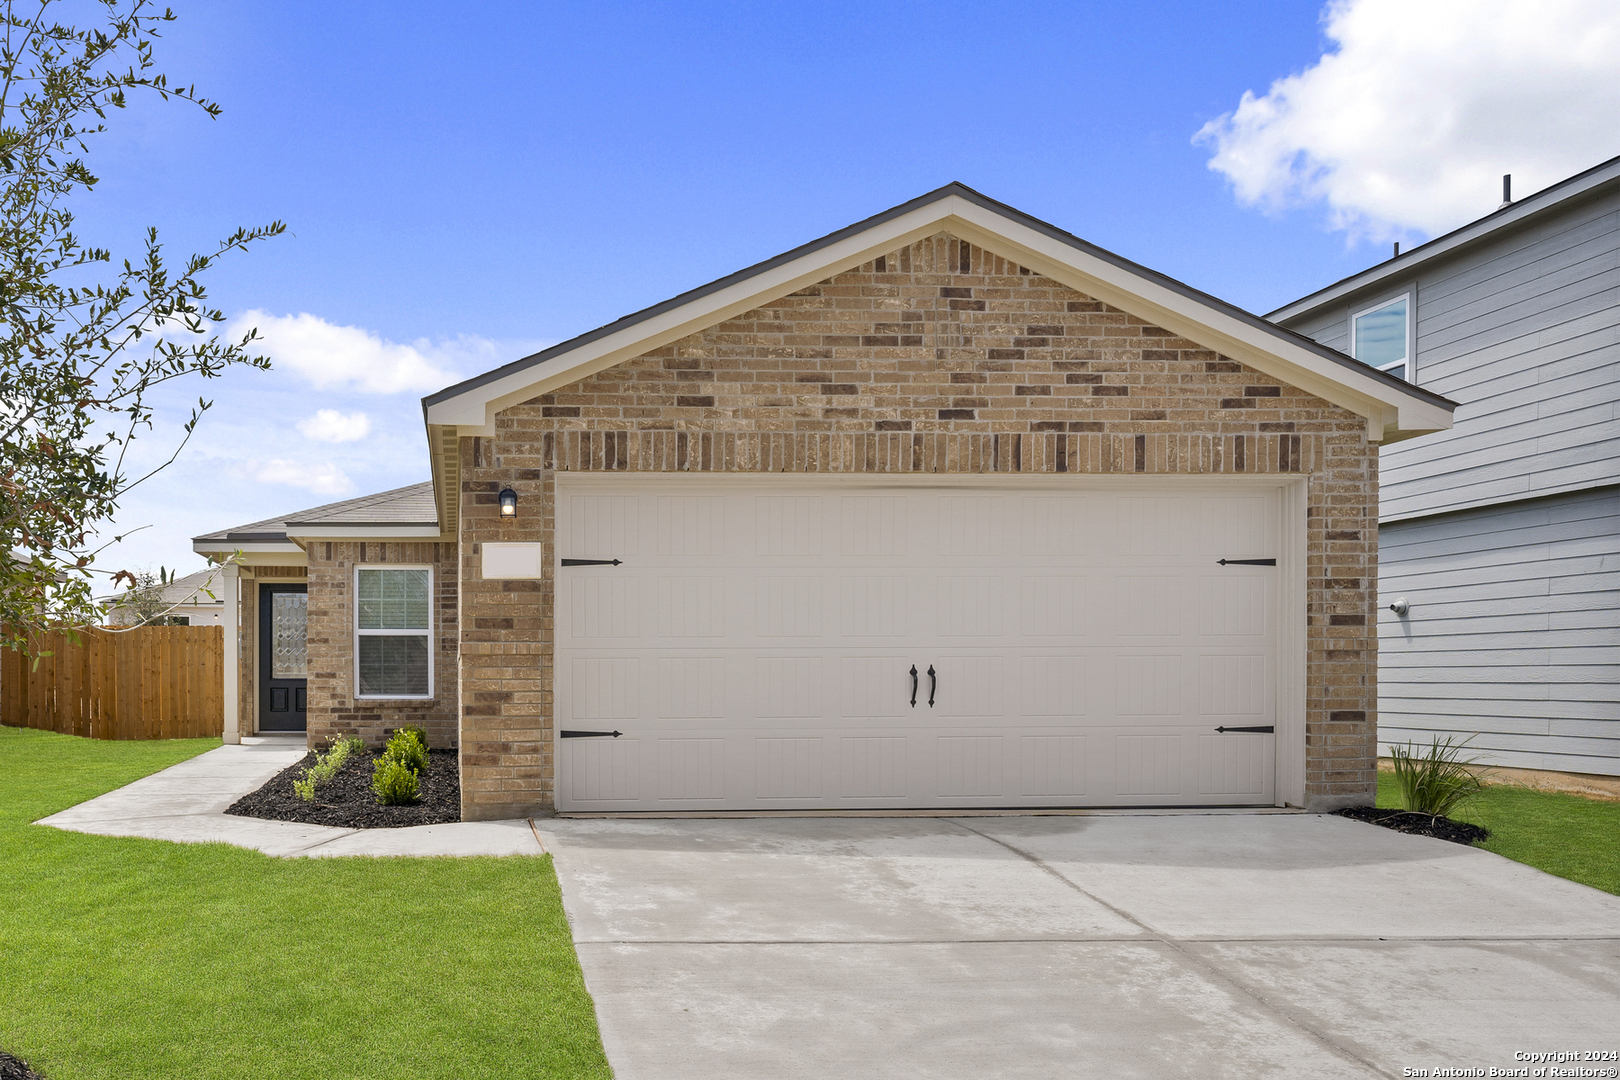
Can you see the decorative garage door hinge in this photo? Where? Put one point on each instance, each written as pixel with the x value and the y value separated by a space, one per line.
pixel 590 734
pixel 590 562
pixel 1267 729
pixel 1223 562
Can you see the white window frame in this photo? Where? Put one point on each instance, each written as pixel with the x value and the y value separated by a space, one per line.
pixel 359 633
pixel 1409 360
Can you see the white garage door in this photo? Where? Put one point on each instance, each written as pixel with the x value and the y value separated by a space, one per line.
pixel 787 643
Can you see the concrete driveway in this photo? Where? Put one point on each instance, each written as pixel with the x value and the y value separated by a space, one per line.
pixel 1197 945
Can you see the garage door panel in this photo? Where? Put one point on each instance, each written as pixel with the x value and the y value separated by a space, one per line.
pixel 1057 607
pixel 691 606
pixel 1053 766
pixel 789 605
pixel 969 605
pixel 873 767
pixel 969 767
pixel 875 526
pixel 1232 764
pixel 875 606
pixel 970 526
pixel 1055 685
pixel 790 687
pixel 1148 765
pixel 692 769
pixel 757 652
pixel 1148 605
pixel 691 526
pixel 604 770
pixel 876 687
pixel 1148 684
pixel 788 768
pixel 604 688
pixel 788 526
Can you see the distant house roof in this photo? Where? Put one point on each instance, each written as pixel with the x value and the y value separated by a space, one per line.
pixel 1578 188
pixel 403 513
pixel 192 590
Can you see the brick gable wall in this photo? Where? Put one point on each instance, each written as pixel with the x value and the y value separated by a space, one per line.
pixel 937 358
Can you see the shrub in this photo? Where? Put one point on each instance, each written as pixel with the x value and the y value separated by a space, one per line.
pixel 325 767
pixel 1437 782
pixel 409 745
pixel 393 781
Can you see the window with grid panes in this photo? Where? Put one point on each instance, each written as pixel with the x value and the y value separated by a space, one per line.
pixel 393 624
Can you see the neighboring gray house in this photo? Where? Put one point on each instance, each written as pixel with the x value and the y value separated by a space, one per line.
pixel 1502 534
pixel 194 600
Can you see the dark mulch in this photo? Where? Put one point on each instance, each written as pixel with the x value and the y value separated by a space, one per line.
pixel 1404 821
pixel 15 1068
pixel 347 801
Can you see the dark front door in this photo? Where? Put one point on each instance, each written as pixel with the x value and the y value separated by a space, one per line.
pixel 283 669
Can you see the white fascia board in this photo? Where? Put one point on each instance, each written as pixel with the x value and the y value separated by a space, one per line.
pixel 1391 415
pixel 473 413
pixel 364 532
pixel 256 547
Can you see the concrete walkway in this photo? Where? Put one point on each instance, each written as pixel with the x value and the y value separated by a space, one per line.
pixel 1110 945
pixel 186 803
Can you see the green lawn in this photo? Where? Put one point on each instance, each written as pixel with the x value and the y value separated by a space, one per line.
pixel 1566 835
pixel 123 958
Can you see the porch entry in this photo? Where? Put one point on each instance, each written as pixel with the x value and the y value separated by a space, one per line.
pixel 283 653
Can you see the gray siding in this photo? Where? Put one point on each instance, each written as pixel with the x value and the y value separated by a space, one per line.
pixel 1513 634
pixel 1524 333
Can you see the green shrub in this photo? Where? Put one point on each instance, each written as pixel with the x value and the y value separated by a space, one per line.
pixel 326 766
pixel 409 745
pixel 1437 782
pixel 393 781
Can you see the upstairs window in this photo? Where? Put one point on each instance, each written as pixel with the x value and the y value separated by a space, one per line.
pixel 392 657
pixel 1380 337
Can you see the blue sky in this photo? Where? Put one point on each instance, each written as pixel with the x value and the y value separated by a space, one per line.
pixel 463 184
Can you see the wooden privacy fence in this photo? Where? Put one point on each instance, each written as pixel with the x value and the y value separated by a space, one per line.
pixel 152 682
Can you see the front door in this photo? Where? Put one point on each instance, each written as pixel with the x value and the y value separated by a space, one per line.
pixel 283 649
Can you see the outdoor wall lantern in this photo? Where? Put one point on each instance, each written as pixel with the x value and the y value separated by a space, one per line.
pixel 508 503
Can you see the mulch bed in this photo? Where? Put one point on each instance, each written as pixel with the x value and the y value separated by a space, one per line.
pixel 15 1068
pixel 347 801
pixel 1404 821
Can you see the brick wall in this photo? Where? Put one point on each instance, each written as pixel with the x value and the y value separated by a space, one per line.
pixel 937 358
pixel 333 708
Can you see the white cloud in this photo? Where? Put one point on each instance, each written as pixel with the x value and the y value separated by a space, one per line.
pixel 1410 122
pixel 329 425
pixel 323 478
pixel 354 358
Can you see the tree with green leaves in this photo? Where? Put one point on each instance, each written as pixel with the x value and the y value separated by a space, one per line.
pixel 85 338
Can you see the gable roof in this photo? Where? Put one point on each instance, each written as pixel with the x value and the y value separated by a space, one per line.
pixel 404 513
pixel 1590 184
pixel 1395 409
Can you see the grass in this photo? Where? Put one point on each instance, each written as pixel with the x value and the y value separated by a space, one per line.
pixel 125 957
pixel 1566 835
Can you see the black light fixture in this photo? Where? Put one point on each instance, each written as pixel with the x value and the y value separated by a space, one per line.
pixel 508 503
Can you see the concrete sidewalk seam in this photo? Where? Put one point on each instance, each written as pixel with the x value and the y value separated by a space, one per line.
pixel 1193 959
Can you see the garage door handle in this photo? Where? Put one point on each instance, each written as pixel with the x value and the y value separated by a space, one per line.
pixel 913 686
pixel 565 734
pixel 1247 562
pixel 1268 729
pixel 590 562
pixel 933 684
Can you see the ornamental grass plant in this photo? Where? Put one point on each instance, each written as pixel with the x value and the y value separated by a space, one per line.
pixel 326 766
pixel 1438 781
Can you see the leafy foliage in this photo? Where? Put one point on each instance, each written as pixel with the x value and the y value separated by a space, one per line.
pixel 394 781
pixel 409 745
pixel 84 339
pixel 326 766
pixel 1437 782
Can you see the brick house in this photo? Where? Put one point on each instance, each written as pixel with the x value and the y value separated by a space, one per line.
pixel 946 509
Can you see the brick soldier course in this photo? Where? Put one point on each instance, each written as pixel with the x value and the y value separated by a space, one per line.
pixel 937 358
